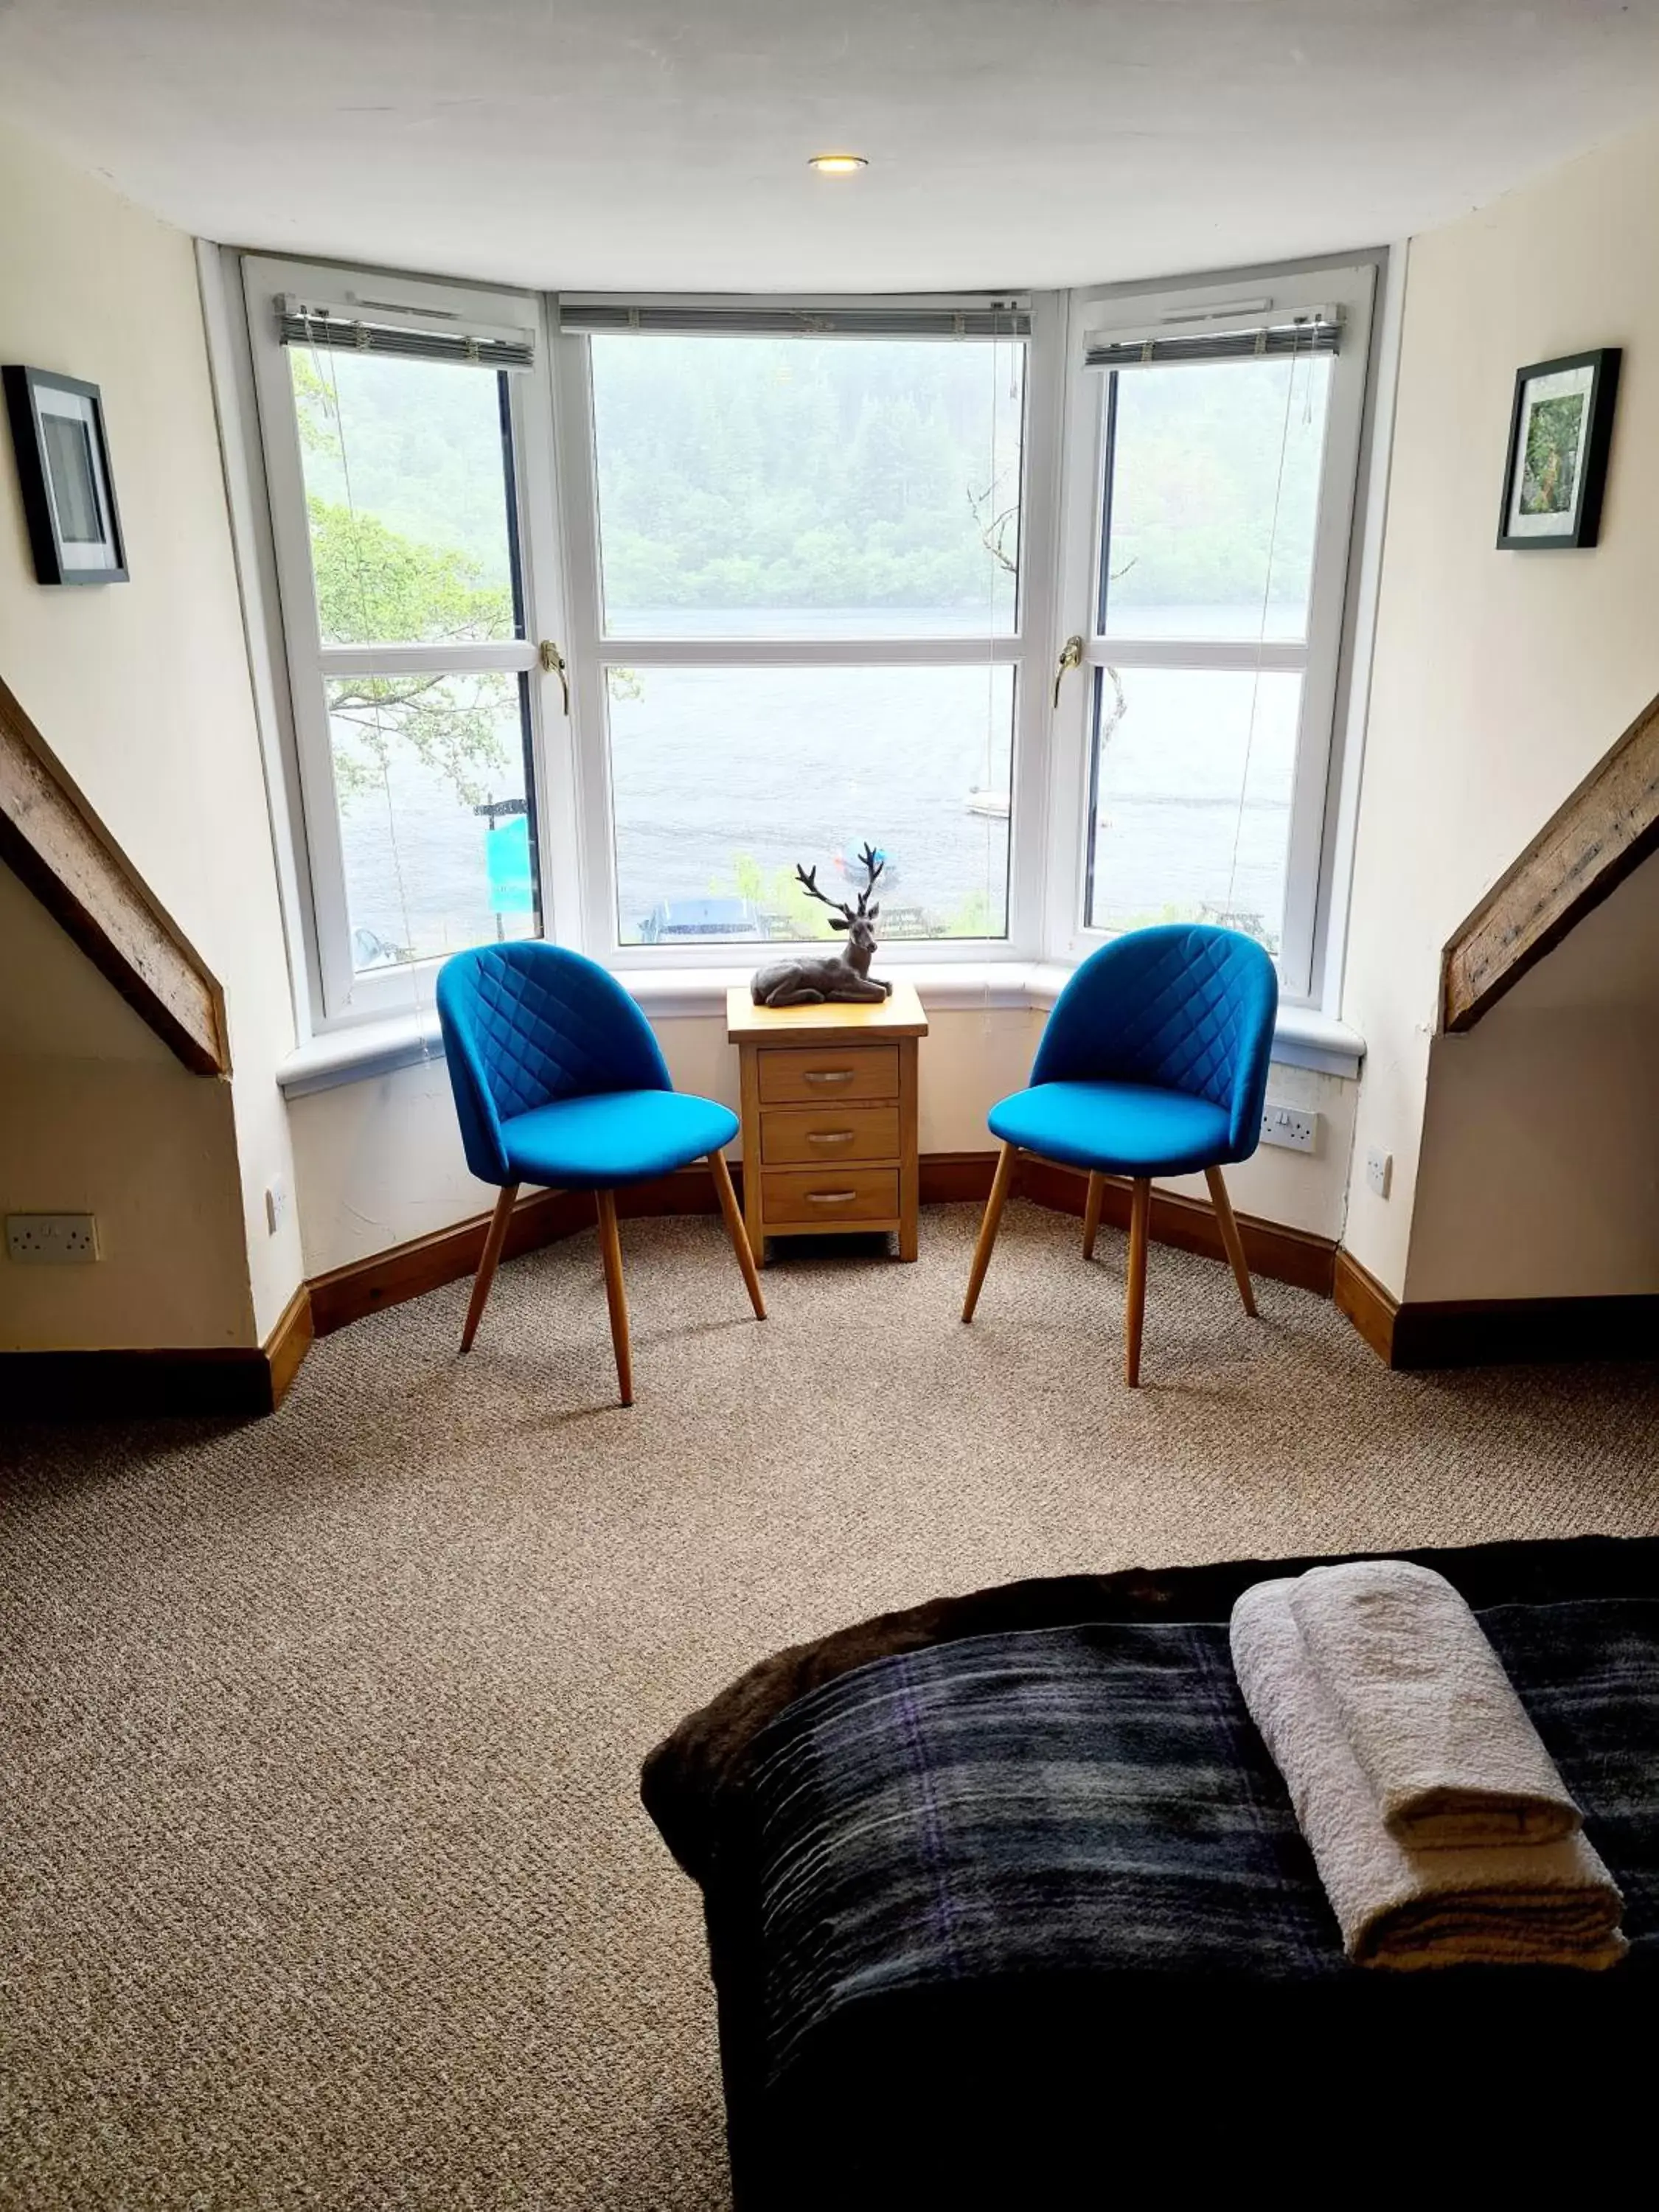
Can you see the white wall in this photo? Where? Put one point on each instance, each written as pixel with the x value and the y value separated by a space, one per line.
pixel 142 689
pixel 379 1162
pixel 1499 680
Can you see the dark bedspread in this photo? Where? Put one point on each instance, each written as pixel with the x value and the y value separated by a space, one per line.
pixel 1006 1904
pixel 1096 1801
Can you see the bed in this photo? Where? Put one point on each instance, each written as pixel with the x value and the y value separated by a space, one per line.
pixel 1006 1902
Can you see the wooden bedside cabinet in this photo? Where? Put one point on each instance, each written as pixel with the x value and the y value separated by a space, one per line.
pixel 829 1116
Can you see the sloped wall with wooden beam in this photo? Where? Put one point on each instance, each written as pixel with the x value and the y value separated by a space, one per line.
pixel 1539 1176
pixel 98 1116
pixel 56 845
pixel 1605 829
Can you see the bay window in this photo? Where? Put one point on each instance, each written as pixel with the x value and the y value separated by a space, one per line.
pixel 601 615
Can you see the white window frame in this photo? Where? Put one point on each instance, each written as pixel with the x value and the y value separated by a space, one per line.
pixel 341 996
pixel 1025 648
pixel 1126 310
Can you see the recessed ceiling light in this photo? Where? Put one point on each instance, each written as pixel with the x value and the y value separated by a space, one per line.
pixel 837 165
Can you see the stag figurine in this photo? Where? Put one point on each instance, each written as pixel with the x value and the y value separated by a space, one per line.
pixel 845 974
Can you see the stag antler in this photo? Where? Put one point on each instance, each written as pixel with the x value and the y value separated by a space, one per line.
pixel 808 879
pixel 868 861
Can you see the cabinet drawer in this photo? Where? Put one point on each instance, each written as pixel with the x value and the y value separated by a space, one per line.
pixel 819 1074
pixel 825 1136
pixel 817 1198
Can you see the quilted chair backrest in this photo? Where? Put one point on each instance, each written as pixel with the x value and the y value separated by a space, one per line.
pixel 527 1023
pixel 1185 1006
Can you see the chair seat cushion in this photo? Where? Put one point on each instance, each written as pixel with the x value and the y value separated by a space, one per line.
pixel 613 1137
pixel 1114 1128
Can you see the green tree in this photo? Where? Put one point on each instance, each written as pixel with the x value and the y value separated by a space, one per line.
pixel 376 586
pixel 775 891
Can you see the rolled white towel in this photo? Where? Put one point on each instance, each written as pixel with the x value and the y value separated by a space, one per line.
pixel 1400 1905
pixel 1451 1754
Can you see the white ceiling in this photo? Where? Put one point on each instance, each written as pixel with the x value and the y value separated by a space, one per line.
pixel 598 144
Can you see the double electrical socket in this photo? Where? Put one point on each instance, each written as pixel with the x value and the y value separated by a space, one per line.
pixel 1291 1126
pixel 51 1239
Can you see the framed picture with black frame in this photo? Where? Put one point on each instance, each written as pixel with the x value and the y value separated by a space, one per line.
pixel 67 484
pixel 1561 432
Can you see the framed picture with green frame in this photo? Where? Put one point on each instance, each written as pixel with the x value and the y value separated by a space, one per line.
pixel 1560 434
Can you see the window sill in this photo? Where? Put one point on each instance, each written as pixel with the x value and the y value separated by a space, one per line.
pixel 1303 1036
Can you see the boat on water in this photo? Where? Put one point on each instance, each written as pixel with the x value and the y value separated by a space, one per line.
pixel 850 868
pixel 996 804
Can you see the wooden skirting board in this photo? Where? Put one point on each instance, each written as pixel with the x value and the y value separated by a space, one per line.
pixel 94 1385
pixel 408 1271
pixel 231 1381
pixel 385 1279
pixel 1286 1256
pixel 1370 1307
pixel 1422 1332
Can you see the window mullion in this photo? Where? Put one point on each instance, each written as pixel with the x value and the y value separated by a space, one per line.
pixel 590 793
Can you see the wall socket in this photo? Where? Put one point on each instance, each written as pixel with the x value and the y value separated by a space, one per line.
pixel 275 1204
pixel 51 1239
pixel 1291 1126
pixel 1379 1172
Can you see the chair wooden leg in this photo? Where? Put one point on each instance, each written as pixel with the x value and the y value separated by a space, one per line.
pixel 615 1296
pixel 1091 1213
pixel 1230 1237
pixel 1140 1208
pixel 736 1231
pixel 491 1260
pixel 987 1227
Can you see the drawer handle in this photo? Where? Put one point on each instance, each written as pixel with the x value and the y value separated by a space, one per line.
pixel 830 1136
pixel 828 1074
pixel 830 1197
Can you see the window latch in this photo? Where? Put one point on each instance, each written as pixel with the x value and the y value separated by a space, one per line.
pixel 552 662
pixel 1070 656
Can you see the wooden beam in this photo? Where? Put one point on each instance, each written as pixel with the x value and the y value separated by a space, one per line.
pixel 54 842
pixel 1605 829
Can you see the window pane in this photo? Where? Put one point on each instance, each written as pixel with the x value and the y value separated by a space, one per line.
pixel 723 779
pixel 1213 498
pixel 406 470
pixel 1194 772
pixel 807 488
pixel 435 823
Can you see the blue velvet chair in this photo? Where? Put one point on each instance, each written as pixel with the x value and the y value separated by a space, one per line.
pixel 1154 1062
pixel 559 1082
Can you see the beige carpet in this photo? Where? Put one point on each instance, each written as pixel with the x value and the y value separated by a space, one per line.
pixel 325 1879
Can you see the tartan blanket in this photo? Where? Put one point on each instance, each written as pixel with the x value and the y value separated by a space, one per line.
pixel 1094 1801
